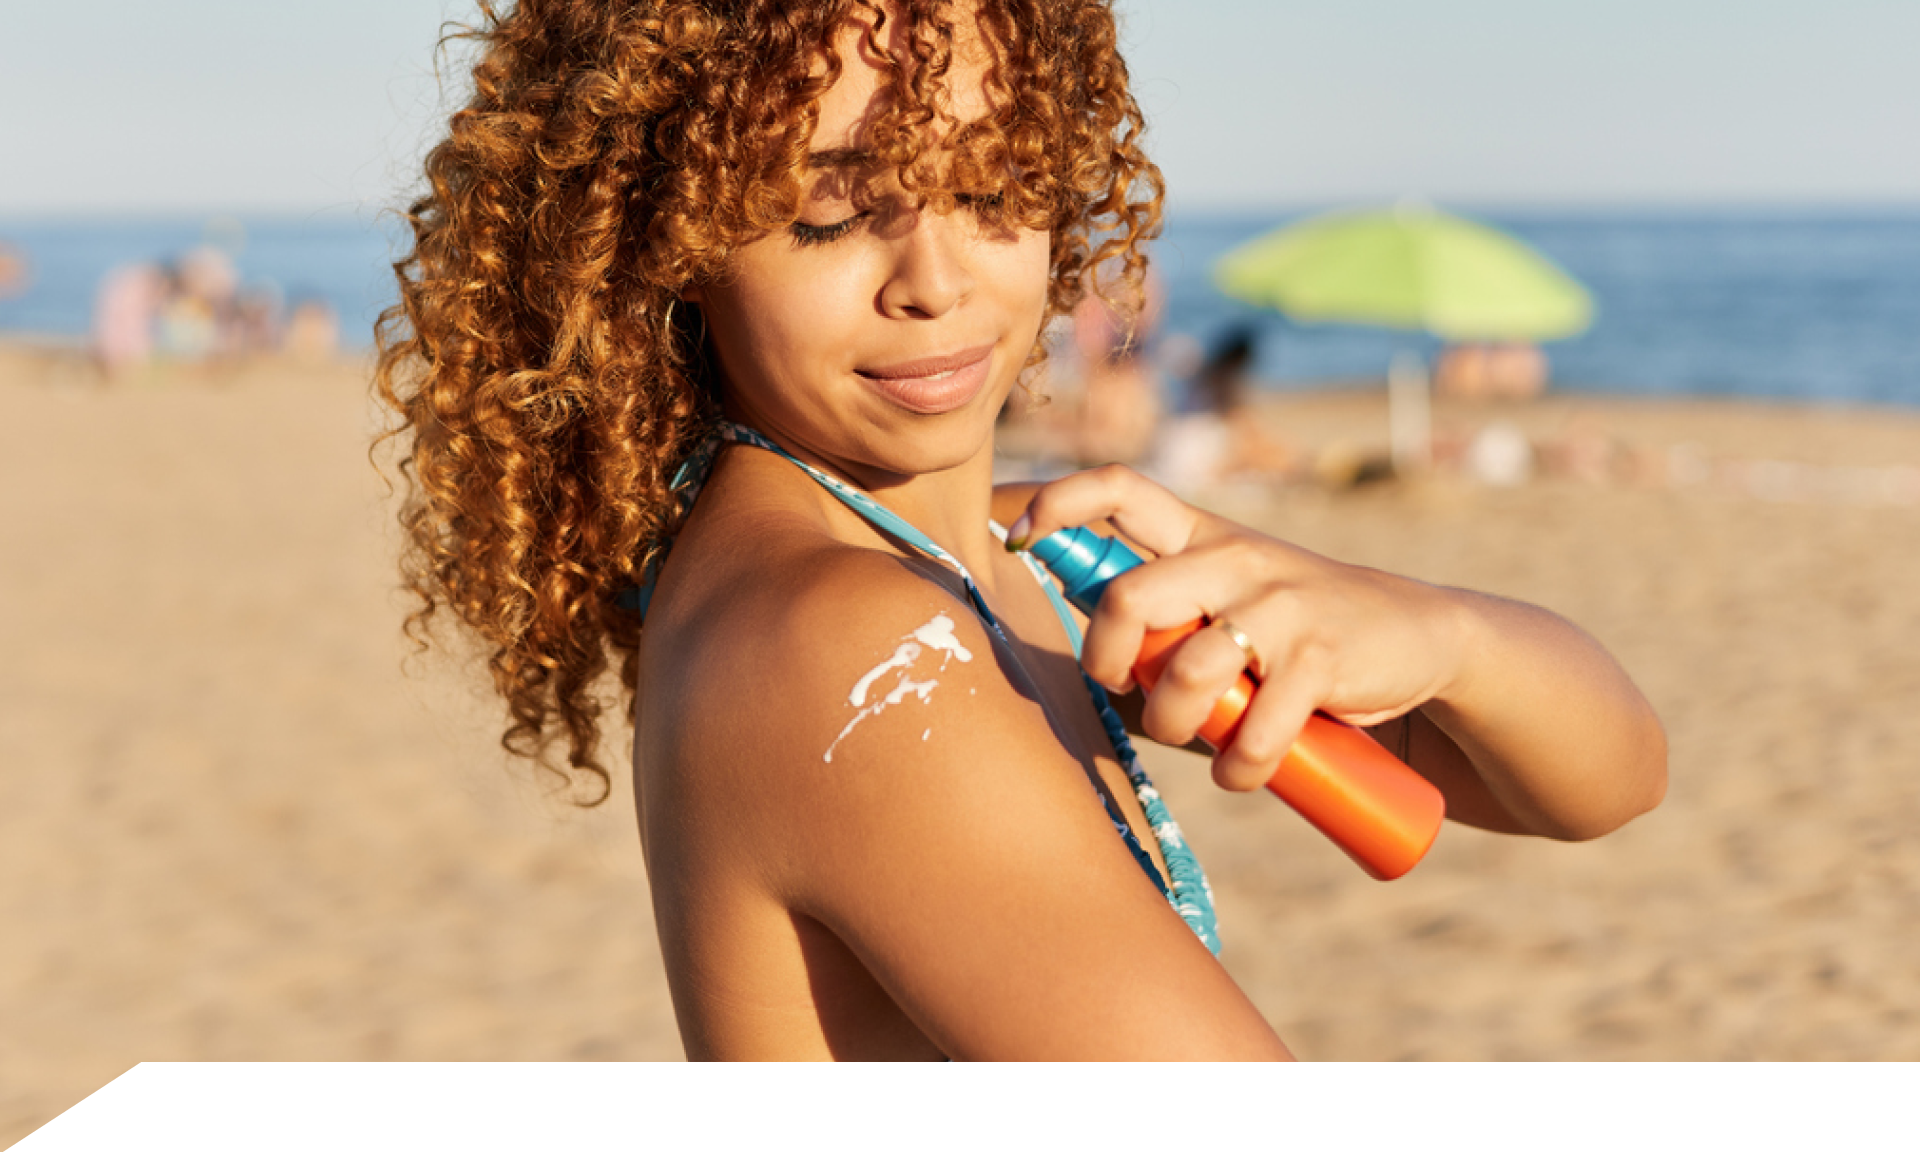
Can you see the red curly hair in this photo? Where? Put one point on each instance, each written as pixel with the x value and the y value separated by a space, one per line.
pixel 546 378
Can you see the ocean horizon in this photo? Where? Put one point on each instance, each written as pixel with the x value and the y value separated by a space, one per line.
pixel 1807 304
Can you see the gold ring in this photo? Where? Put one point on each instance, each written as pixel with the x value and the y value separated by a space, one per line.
pixel 1239 637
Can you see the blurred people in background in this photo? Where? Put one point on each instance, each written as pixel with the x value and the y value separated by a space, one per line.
pixel 15 271
pixel 255 327
pixel 1217 435
pixel 126 317
pixel 198 317
pixel 1120 391
pixel 196 312
pixel 1222 380
pixel 313 332
pixel 1510 370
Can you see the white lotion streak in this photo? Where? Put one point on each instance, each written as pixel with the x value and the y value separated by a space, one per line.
pixel 903 657
pixel 936 634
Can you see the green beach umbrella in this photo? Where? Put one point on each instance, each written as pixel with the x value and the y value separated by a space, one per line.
pixel 1409 267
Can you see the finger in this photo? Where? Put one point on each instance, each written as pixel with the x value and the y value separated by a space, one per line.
pixel 1272 723
pixel 1136 505
pixel 1200 672
pixel 1166 593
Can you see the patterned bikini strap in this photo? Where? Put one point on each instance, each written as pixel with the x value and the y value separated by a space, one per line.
pixel 691 477
pixel 874 512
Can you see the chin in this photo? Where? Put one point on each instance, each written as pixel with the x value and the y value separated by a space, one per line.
pixel 919 445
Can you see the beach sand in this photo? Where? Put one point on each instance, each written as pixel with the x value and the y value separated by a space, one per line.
pixel 235 827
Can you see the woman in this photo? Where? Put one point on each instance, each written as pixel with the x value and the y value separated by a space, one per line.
pixel 792 259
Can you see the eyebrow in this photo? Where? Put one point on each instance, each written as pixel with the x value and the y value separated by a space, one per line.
pixel 838 158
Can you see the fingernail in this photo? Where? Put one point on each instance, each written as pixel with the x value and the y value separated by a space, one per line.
pixel 1017 535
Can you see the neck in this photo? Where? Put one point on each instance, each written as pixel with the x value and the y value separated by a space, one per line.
pixel 951 506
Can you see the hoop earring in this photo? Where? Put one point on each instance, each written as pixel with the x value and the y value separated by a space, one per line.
pixel 666 322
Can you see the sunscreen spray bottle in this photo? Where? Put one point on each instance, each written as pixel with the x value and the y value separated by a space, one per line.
pixel 1379 811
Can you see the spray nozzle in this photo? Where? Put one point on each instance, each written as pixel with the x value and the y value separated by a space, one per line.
pixel 1084 562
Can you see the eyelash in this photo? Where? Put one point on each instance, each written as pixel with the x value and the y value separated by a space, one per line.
pixel 808 235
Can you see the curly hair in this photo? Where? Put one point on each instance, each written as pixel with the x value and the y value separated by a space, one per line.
pixel 546 378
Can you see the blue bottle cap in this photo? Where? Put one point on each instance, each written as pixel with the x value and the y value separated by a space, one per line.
pixel 1084 562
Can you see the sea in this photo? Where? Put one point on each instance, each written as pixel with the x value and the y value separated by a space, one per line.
pixel 1819 306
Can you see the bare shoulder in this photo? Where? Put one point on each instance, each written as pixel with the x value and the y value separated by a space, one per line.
pixel 798 653
pixel 849 737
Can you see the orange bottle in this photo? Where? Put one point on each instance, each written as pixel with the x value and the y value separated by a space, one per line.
pixel 1379 811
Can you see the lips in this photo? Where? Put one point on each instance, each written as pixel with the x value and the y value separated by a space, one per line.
pixel 932 384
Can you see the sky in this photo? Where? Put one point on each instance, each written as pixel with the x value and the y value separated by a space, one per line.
pixel 125 107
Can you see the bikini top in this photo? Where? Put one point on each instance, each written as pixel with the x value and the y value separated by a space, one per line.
pixel 1190 894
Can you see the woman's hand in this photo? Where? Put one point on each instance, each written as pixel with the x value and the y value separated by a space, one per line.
pixel 1530 725
pixel 1361 645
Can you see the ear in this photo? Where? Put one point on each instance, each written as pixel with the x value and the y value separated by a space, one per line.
pixel 691 294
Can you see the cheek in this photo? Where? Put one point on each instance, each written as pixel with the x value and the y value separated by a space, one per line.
pixel 1027 270
pixel 775 321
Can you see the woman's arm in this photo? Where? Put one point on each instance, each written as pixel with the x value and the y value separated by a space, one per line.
pixel 950 841
pixel 1524 722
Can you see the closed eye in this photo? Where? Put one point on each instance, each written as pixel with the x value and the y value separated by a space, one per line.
pixel 807 235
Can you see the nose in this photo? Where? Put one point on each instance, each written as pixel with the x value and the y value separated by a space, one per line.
pixel 930 274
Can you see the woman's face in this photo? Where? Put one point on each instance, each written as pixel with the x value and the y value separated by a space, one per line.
pixel 873 336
